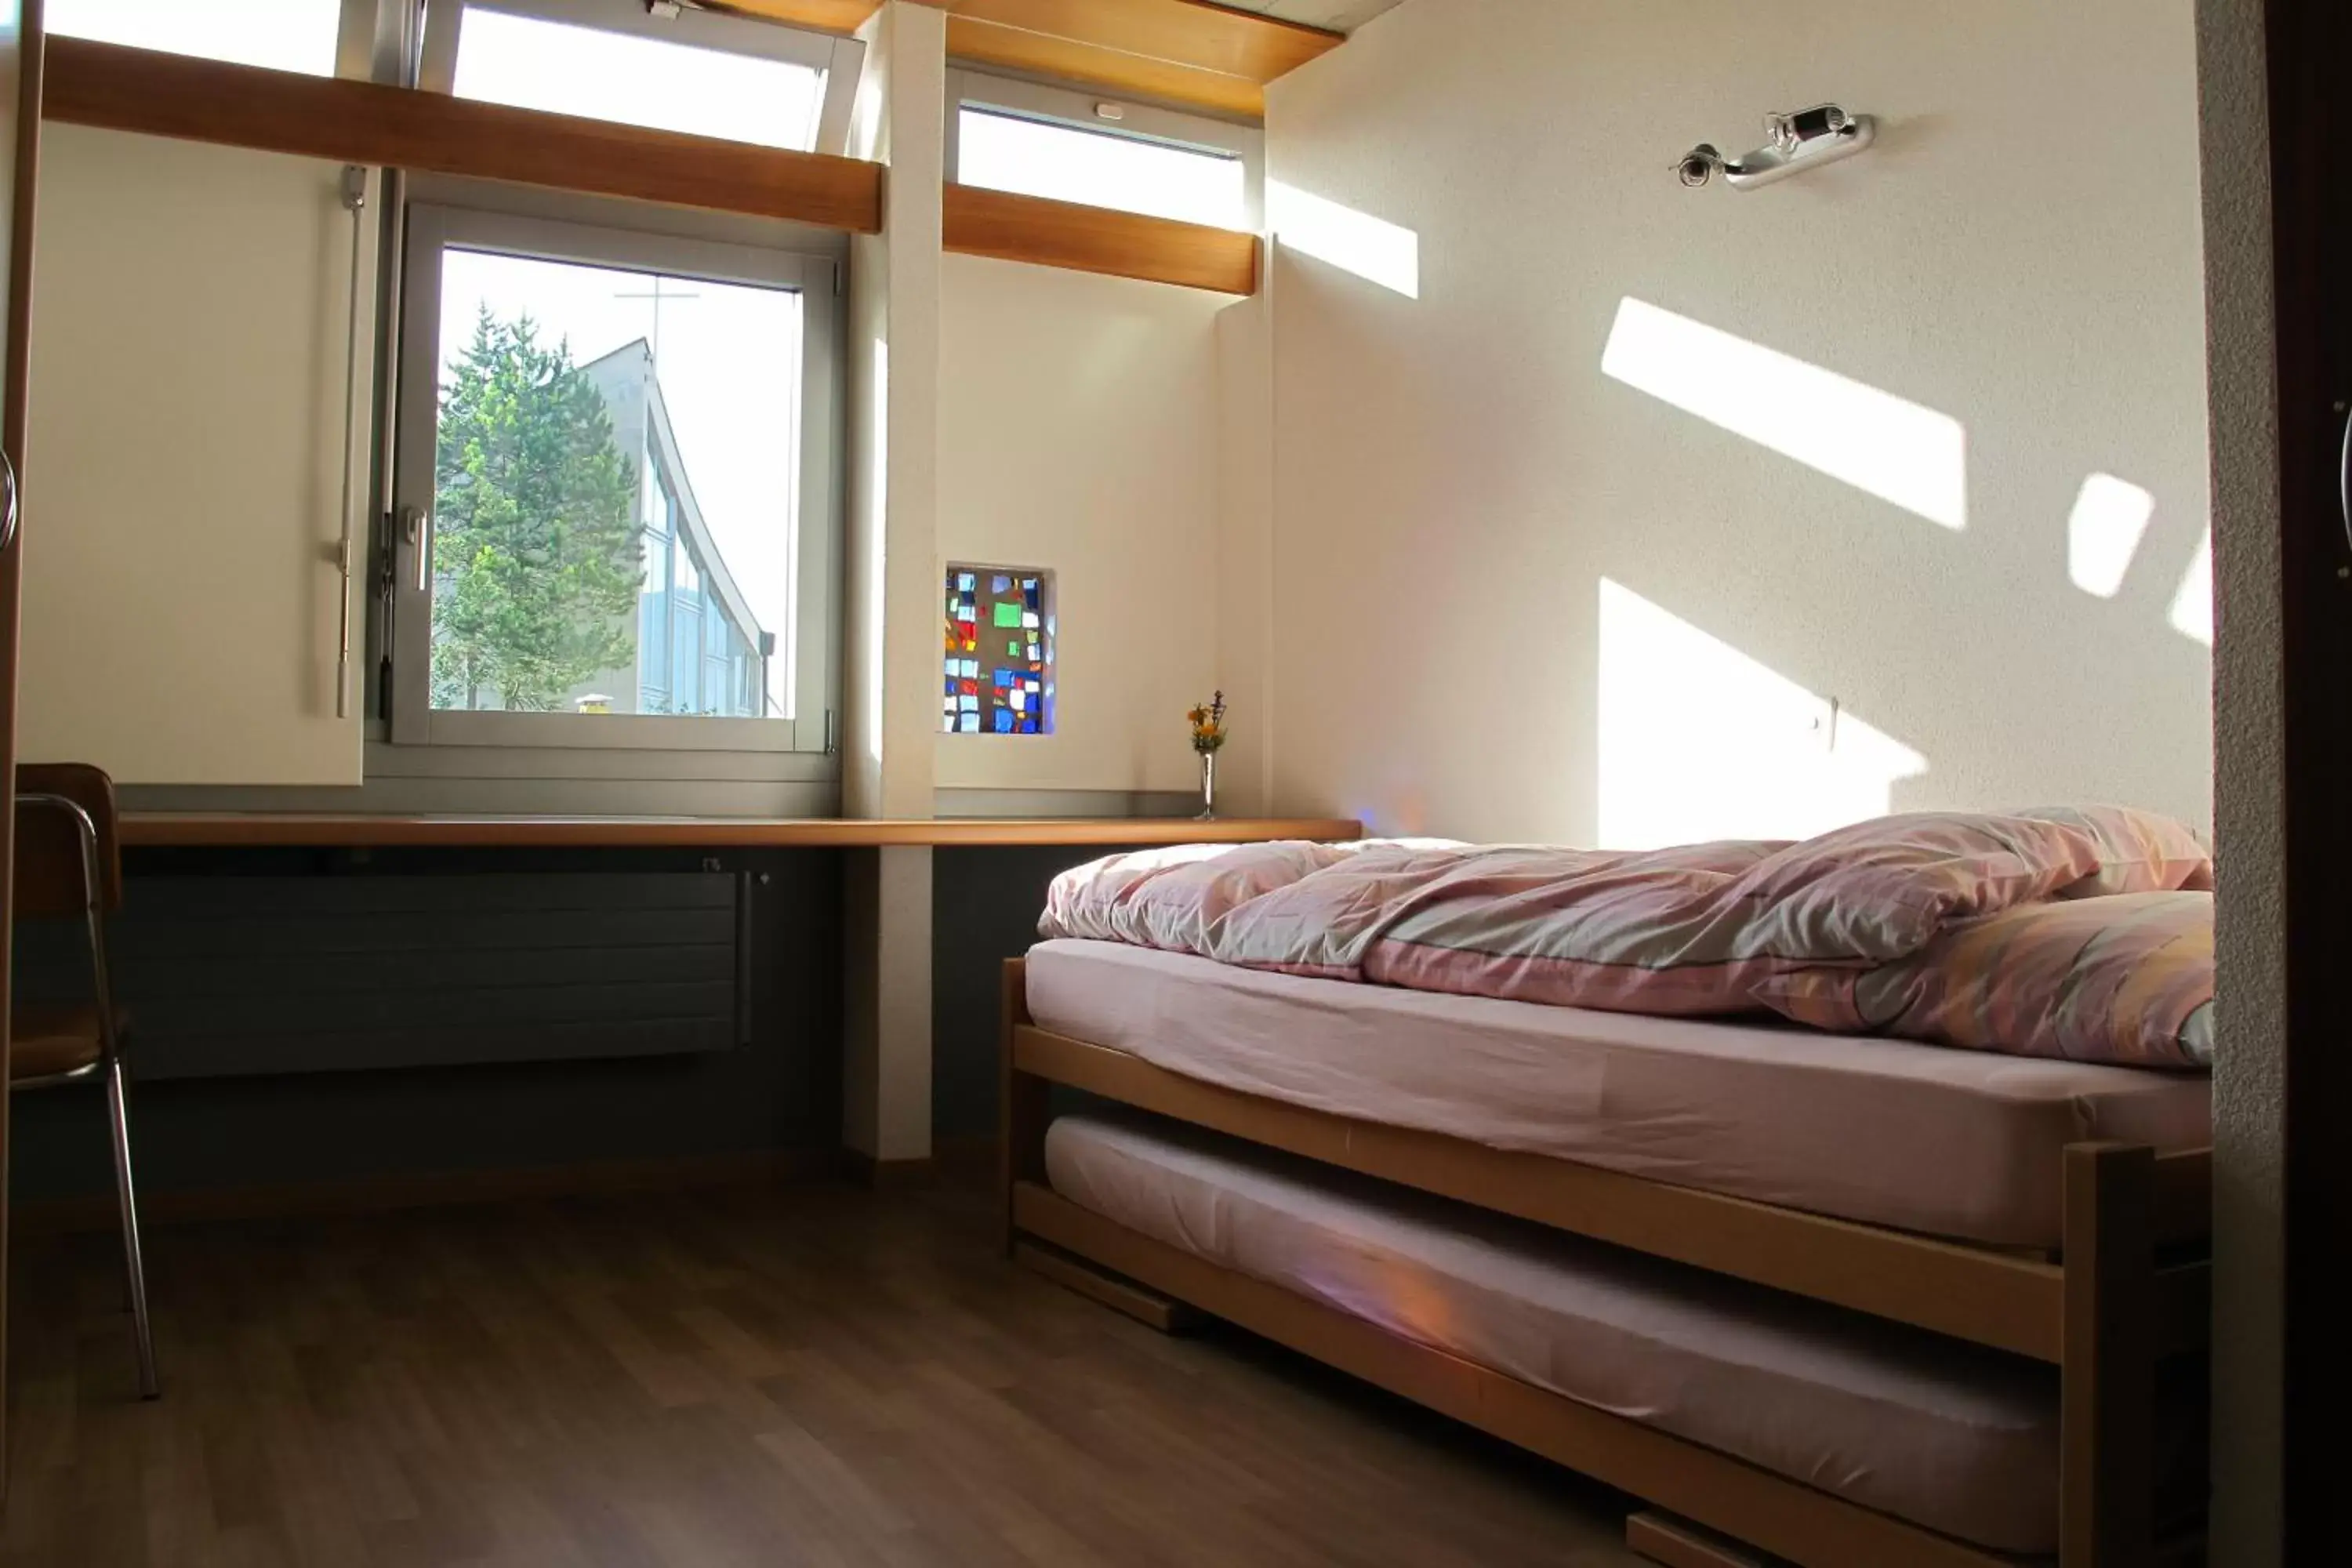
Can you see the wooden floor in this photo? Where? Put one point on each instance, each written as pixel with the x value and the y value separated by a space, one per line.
pixel 816 1376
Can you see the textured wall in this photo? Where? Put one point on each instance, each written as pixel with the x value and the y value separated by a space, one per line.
pixel 2249 1087
pixel 1521 596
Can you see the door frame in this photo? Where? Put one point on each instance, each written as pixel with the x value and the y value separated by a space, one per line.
pixel 2309 46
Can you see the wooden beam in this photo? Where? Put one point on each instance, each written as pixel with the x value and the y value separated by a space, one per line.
pixel 158 94
pixel 2107 1380
pixel 978 222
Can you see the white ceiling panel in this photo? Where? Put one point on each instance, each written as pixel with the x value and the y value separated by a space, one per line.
pixel 1338 15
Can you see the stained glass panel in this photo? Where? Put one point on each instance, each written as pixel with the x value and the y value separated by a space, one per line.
pixel 1006 688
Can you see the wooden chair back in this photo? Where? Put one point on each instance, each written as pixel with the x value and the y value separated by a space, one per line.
pixel 48 869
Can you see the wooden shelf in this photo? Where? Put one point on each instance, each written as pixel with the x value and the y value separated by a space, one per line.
pixel 157 94
pixel 301 830
pixel 979 222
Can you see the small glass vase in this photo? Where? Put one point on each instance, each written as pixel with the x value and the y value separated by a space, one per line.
pixel 1208 787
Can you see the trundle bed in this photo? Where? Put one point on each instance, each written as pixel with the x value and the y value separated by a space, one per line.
pixel 1854 1302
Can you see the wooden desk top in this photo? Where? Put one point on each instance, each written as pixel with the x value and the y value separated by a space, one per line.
pixel 292 829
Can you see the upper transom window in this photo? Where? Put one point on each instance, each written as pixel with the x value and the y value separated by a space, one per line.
pixel 282 35
pixel 693 71
pixel 1066 146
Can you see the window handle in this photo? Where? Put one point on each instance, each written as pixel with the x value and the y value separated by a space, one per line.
pixel 7 503
pixel 2343 478
pixel 417 527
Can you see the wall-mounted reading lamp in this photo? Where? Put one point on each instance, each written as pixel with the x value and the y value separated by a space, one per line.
pixel 1804 139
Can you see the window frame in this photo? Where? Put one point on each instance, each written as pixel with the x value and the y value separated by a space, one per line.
pixel 809 661
pixel 1138 122
pixel 841 59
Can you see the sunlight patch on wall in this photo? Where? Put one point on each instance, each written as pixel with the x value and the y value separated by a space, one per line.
pixel 2192 607
pixel 1876 442
pixel 2104 533
pixel 877 521
pixel 1697 741
pixel 1372 248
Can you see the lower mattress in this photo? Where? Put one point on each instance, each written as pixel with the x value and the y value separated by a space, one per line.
pixel 1924 1138
pixel 1949 1436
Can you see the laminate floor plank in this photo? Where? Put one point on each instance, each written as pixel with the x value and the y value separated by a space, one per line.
pixel 805 1375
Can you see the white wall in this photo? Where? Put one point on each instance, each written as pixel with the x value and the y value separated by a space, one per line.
pixel 1519 596
pixel 1078 433
pixel 190 338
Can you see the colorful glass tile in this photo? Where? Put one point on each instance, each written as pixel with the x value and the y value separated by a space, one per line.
pixel 991 692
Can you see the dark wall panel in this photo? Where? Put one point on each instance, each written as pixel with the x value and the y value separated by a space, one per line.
pixel 984 909
pixel 212 958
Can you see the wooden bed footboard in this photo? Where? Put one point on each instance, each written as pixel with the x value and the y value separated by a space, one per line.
pixel 2129 1289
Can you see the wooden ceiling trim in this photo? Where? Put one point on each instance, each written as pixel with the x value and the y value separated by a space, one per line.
pixel 843 17
pixel 1179 32
pixel 120 88
pixel 979 222
pixel 1107 70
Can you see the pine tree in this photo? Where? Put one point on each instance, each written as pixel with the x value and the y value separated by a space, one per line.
pixel 536 559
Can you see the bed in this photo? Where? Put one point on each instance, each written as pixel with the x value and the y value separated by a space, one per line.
pixel 1643 1160
pixel 1956 1143
pixel 1957 1439
pixel 1978 1268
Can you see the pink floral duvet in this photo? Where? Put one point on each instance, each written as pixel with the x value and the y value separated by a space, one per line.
pixel 2079 932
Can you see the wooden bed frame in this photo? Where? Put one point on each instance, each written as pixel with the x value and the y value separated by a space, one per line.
pixel 2130 1288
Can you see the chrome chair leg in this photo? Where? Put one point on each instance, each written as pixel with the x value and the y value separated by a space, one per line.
pixel 134 1267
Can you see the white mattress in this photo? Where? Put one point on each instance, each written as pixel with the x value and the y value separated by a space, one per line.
pixel 1925 1138
pixel 1946 1435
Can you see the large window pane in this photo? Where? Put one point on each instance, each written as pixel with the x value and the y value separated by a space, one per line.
pixel 283 35
pixel 535 64
pixel 1070 164
pixel 615 465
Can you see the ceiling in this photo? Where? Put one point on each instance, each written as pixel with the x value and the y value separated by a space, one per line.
pixel 1338 15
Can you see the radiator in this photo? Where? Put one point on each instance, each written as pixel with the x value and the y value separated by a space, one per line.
pixel 233 975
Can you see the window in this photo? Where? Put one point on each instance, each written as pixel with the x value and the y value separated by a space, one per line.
pixel 616 480
pixel 695 72
pixel 999 651
pixel 282 35
pixel 1048 142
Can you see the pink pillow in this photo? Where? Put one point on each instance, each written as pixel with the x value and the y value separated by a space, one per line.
pixel 2127 979
pixel 1882 889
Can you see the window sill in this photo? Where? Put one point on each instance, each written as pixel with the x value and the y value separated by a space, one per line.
pixel 307 830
